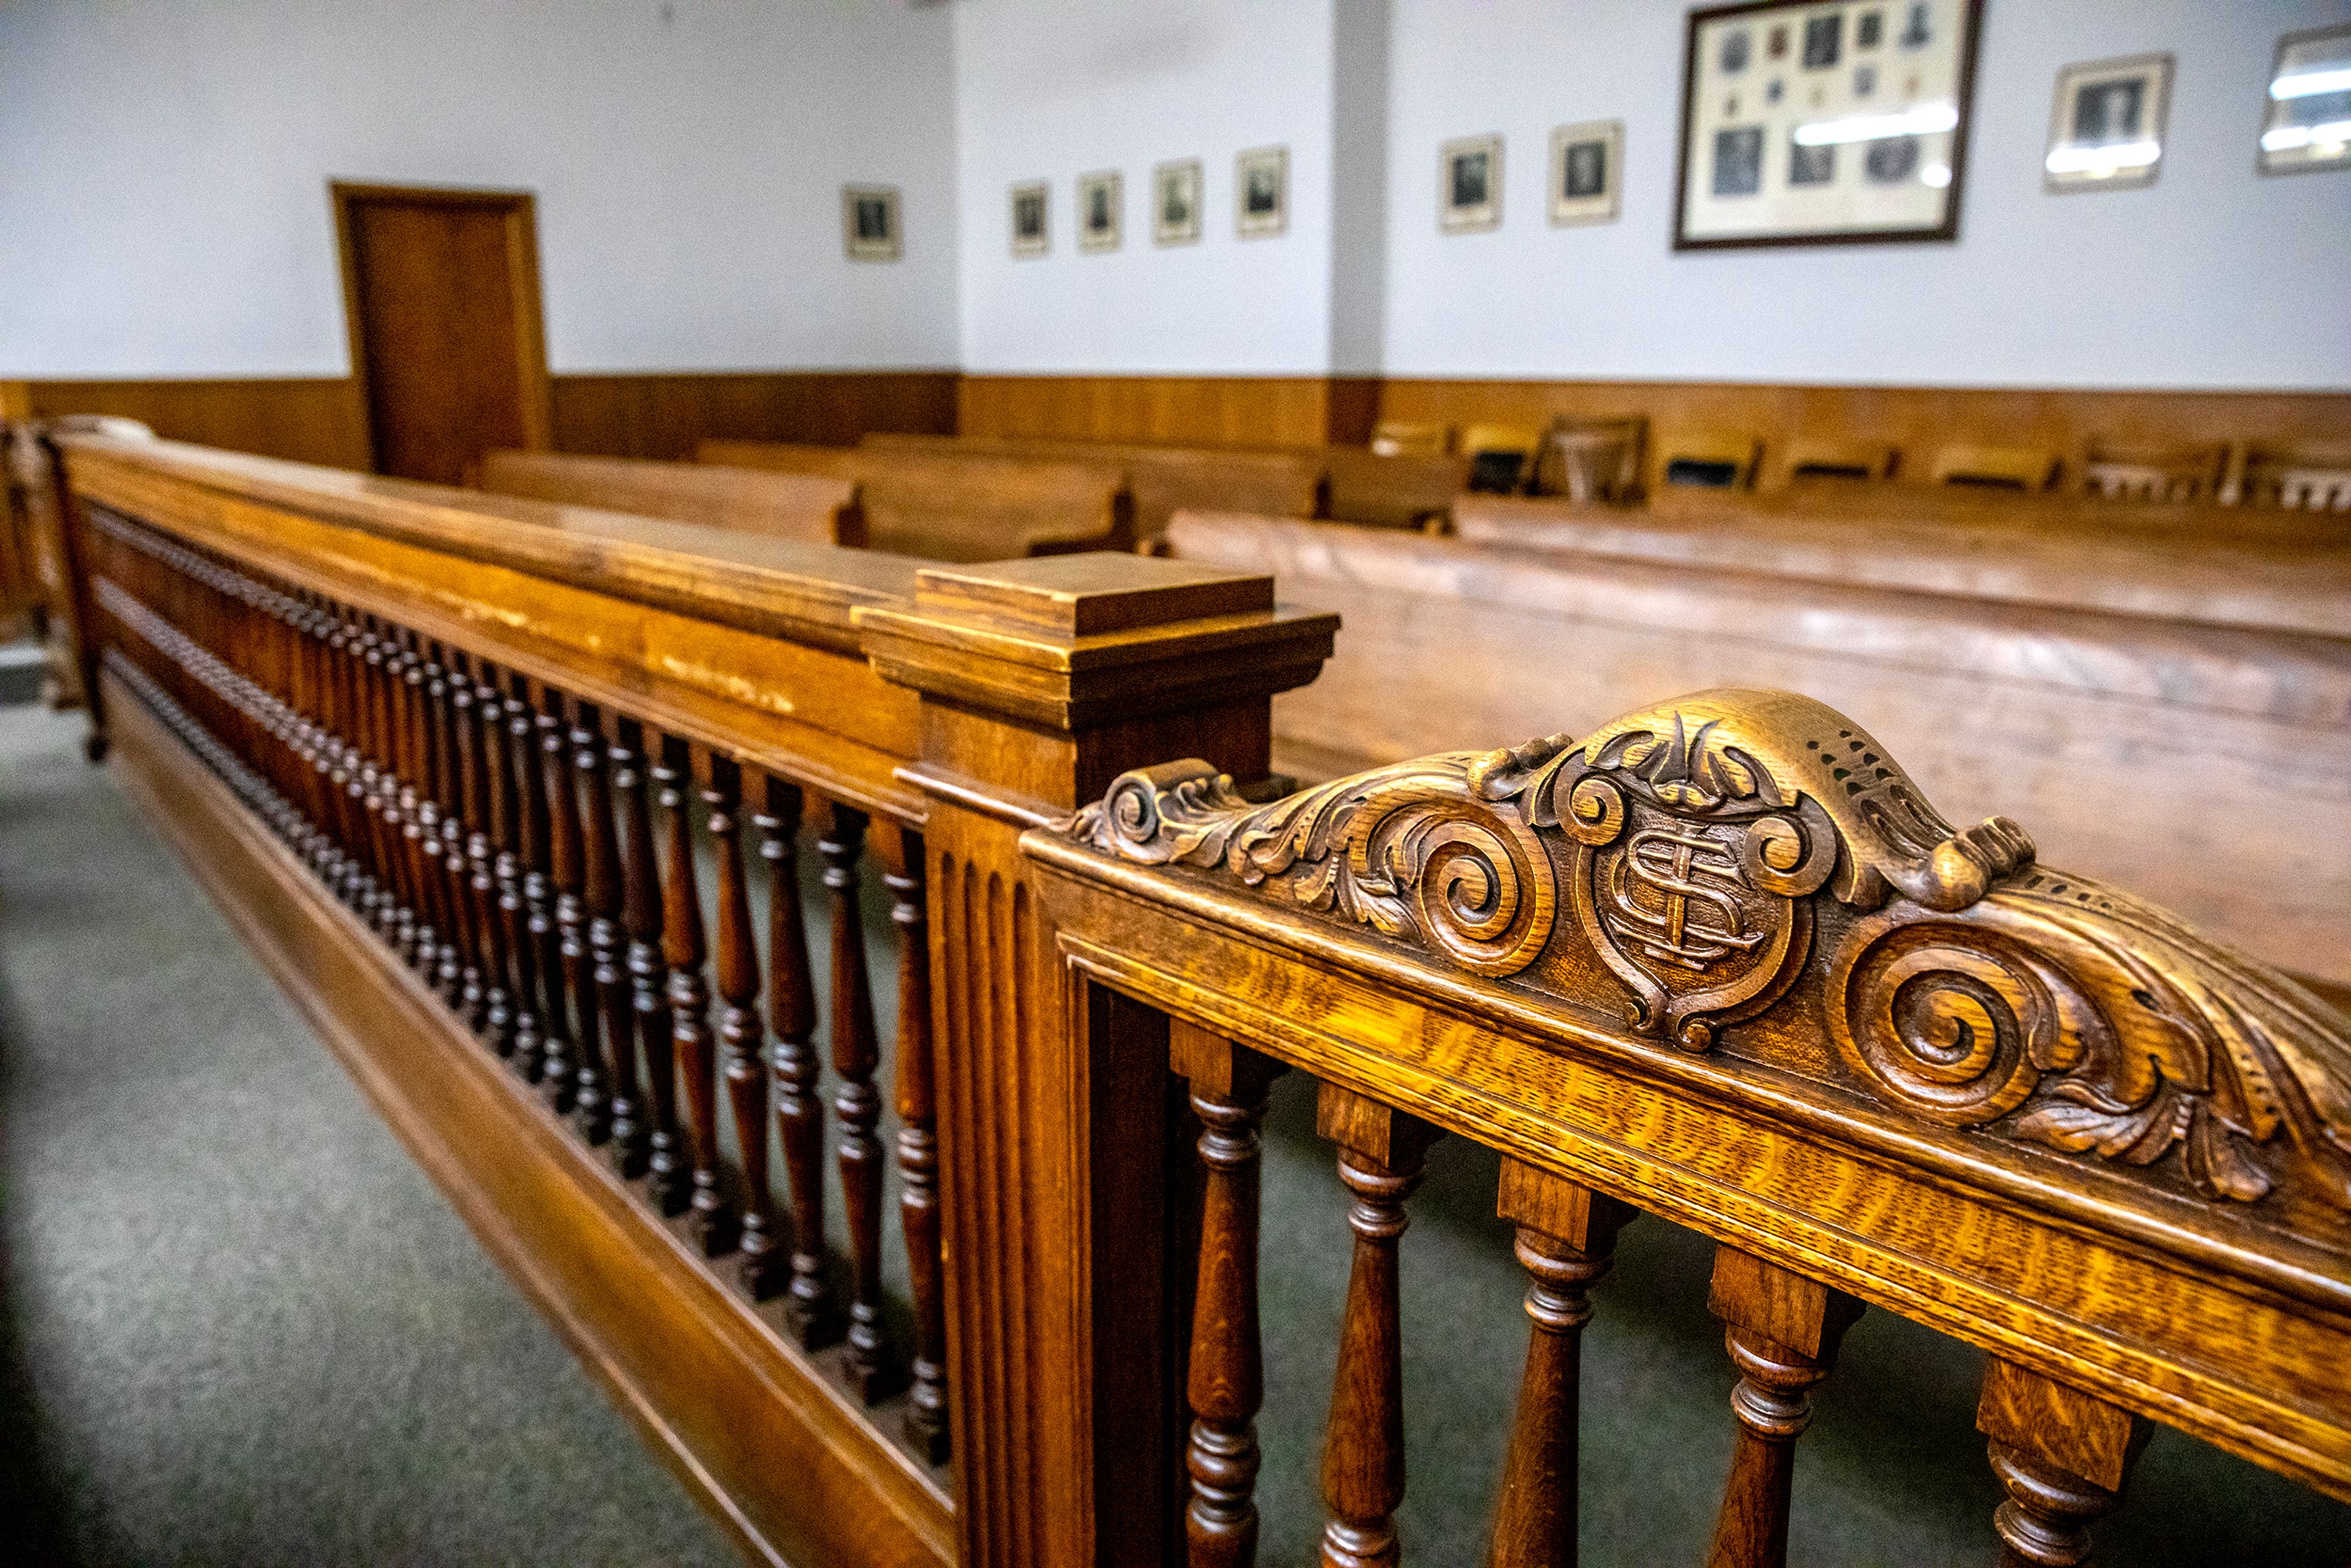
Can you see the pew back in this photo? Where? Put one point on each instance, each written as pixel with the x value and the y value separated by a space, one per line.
pixel 1164 479
pixel 959 507
pixel 809 507
pixel 2013 697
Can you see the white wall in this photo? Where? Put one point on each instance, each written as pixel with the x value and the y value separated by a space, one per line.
pixel 1053 88
pixel 163 169
pixel 2214 277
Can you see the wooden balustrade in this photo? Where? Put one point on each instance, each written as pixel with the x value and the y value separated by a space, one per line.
pixel 481 803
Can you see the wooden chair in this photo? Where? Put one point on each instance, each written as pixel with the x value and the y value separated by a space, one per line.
pixel 956 508
pixel 1501 456
pixel 2030 470
pixel 818 509
pixel 1405 438
pixel 1590 461
pixel 2308 478
pixel 1393 492
pixel 1708 460
pixel 1804 459
pixel 2128 473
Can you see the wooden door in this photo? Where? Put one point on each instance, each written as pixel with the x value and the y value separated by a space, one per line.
pixel 440 289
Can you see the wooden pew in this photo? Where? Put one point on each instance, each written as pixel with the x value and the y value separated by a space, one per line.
pixel 962 509
pixel 1164 479
pixel 803 506
pixel 2012 697
pixel 2195 577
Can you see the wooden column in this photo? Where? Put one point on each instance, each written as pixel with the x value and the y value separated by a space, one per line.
pixel 1567 1241
pixel 856 1054
pixel 1043 680
pixel 1380 1155
pixel 2063 1455
pixel 1783 1334
pixel 684 949
pixel 740 1033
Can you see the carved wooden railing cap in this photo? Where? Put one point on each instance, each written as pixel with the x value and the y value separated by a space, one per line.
pixel 1751 874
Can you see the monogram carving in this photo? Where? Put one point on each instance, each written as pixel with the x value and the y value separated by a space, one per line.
pixel 1705 846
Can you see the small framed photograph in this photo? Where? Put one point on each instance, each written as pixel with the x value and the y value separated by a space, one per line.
pixel 1469 185
pixel 2308 127
pixel 1261 193
pixel 1824 122
pixel 1030 204
pixel 1175 203
pixel 1584 188
pixel 2106 129
pixel 1101 208
pixel 869 221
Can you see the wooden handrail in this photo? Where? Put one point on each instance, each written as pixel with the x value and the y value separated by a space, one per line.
pixel 1721 961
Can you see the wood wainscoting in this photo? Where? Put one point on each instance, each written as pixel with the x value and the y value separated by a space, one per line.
pixel 660 414
pixel 667 415
pixel 301 419
pixel 1176 411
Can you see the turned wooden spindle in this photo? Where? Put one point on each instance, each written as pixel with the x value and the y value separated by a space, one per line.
pixel 469 848
pixel 640 916
pixel 798 1067
pixel 456 937
pixel 2062 1456
pixel 856 1054
pixel 918 1145
pixel 1381 1151
pixel 542 1045
pixel 588 883
pixel 739 1029
pixel 684 950
pixel 506 992
pixel 1782 1331
pixel 577 1024
pixel 1225 1383
pixel 1566 1241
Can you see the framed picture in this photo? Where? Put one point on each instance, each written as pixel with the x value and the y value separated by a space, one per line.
pixel 1175 203
pixel 1805 123
pixel 1101 206
pixel 1260 193
pixel 869 221
pixel 2308 123
pixel 2106 129
pixel 1030 202
pixel 1584 188
pixel 1469 185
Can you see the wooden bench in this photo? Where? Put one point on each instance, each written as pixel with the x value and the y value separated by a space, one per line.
pixel 1165 480
pixel 805 507
pixel 2011 697
pixel 959 508
pixel 1409 490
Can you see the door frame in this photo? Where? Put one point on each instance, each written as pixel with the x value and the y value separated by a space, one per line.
pixel 520 209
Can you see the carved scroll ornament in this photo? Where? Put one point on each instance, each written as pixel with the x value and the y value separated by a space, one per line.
pixel 1705 847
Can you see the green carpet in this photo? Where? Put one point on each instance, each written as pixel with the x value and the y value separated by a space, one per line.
pixel 241 1327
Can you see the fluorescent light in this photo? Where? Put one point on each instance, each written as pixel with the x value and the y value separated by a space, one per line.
pixel 2309 84
pixel 2101 161
pixel 1936 175
pixel 2286 138
pixel 1924 120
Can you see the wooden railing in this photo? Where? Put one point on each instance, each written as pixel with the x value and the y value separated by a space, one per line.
pixel 481 780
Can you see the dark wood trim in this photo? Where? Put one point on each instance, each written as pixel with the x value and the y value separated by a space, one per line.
pixel 775 1450
pixel 521 211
